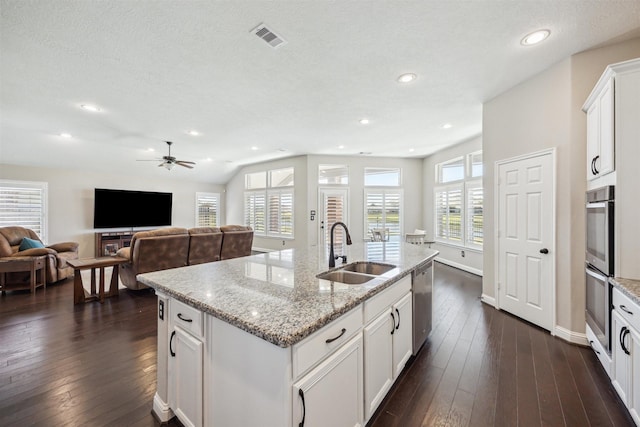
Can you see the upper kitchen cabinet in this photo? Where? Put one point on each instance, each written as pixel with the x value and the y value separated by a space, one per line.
pixel 605 108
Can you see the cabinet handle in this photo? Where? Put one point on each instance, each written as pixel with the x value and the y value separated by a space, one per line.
pixel 623 333
pixel 398 313
pixel 595 168
pixel 330 340
pixel 184 319
pixel 173 353
pixel 393 328
pixel 593 171
pixel 625 309
pixel 304 408
pixel 593 348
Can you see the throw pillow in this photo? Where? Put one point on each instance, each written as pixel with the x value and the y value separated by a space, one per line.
pixel 28 243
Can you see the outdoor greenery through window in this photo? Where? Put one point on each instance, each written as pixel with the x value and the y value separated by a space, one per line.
pixel 207 209
pixel 24 204
pixel 269 202
pixel 459 203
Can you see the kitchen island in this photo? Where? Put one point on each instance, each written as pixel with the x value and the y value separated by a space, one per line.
pixel 261 340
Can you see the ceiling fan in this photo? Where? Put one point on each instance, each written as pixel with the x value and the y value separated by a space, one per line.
pixel 168 161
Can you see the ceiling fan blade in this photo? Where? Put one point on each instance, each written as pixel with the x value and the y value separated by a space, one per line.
pixel 184 166
pixel 148 160
pixel 184 161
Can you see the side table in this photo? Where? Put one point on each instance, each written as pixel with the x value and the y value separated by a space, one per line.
pixel 33 264
pixel 79 293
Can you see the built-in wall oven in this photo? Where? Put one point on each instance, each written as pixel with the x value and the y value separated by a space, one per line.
pixel 599 262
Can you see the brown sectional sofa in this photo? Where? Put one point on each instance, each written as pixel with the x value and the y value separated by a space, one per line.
pixel 178 247
pixel 56 266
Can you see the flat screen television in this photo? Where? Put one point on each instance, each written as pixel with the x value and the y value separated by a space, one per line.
pixel 123 208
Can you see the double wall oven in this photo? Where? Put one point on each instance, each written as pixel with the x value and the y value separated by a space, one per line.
pixel 599 262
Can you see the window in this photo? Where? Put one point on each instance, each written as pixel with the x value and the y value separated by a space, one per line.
pixel 333 174
pixel 24 204
pixel 382 177
pixel 268 204
pixel 207 209
pixel 383 214
pixel 459 205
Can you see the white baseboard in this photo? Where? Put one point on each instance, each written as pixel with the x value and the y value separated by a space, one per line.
pixel 262 249
pixel 161 409
pixel 571 336
pixel 488 300
pixel 460 266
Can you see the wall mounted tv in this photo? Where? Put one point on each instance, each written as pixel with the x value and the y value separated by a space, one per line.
pixel 122 208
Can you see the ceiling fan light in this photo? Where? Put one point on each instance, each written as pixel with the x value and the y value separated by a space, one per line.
pixel 168 166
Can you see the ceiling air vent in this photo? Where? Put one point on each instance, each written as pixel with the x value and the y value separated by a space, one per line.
pixel 272 39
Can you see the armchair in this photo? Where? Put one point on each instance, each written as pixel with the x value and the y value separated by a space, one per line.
pixel 56 266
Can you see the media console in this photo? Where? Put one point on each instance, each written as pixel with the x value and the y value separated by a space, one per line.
pixel 108 242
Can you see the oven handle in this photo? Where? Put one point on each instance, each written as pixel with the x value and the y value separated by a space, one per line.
pixel 596 275
pixel 594 205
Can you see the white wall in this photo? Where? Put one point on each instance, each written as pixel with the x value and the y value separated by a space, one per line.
pixel 473 259
pixel 70 199
pixel 306 195
pixel 545 112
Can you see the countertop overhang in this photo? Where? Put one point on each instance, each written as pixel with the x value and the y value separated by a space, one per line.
pixel 276 295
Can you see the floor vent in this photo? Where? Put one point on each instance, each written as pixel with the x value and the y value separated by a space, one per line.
pixel 272 39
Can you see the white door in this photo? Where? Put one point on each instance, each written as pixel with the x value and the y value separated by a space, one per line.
pixel 526 248
pixel 378 363
pixel 403 336
pixel 333 208
pixel 331 394
pixel 189 353
pixel 621 360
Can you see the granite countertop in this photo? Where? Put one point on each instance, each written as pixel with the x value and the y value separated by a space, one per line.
pixel 629 287
pixel 277 296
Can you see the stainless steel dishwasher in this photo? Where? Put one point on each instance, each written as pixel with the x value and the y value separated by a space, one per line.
pixel 422 284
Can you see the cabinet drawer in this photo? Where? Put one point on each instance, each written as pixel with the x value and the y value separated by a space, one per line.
pixel 385 299
pixel 308 352
pixel 626 308
pixel 187 317
pixel 601 354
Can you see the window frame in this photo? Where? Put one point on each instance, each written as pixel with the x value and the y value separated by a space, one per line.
pixel 384 191
pixel 43 188
pixel 266 193
pixel 389 169
pixel 202 195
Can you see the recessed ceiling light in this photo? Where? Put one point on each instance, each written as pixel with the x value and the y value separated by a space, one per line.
pixel 254 148
pixel 340 147
pixel 92 108
pixel 411 150
pixel 193 132
pixel 151 149
pixel 209 159
pixel 535 37
pixel 406 78
pixel 364 121
pixel 446 126
pixel 65 135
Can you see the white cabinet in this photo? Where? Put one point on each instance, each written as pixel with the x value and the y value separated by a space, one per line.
pixel 600 131
pixel 331 394
pixel 625 342
pixel 388 341
pixel 185 366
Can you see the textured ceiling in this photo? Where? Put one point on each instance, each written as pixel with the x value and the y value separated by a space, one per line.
pixel 160 68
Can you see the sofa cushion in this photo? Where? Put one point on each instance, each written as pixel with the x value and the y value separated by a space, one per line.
pixel 28 243
pixel 204 244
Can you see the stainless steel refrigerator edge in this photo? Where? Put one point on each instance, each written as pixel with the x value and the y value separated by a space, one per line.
pixel 422 284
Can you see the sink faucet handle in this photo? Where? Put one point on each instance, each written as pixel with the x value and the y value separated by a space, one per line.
pixel 344 258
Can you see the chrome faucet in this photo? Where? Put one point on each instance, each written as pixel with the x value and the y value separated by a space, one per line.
pixel 332 257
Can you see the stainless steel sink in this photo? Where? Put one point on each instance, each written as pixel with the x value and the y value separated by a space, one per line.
pixel 347 277
pixel 374 268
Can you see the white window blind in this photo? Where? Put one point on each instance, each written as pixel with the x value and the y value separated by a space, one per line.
pixel 24 204
pixel 383 213
pixel 280 213
pixel 207 209
pixel 448 201
pixel 475 198
pixel 255 211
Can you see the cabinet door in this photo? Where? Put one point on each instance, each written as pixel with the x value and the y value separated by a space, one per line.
pixel 378 363
pixel 403 335
pixel 605 162
pixel 634 398
pixel 185 392
pixel 621 360
pixel 593 139
pixel 331 394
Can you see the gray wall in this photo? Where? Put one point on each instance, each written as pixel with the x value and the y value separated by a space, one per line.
pixel 540 113
pixel 70 199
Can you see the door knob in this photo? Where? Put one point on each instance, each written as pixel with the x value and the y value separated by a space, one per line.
pixel 544 251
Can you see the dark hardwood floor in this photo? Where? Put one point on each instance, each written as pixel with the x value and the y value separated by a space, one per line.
pixel 95 365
